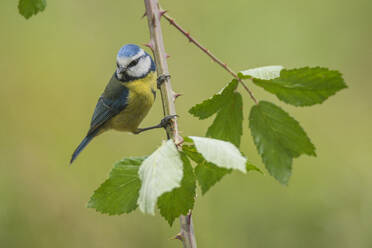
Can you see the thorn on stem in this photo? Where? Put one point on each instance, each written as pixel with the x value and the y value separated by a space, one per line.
pixel 144 15
pixel 175 95
pixel 162 12
pixel 188 36
pixel 178 236
pixel 149 45
pixel 167 56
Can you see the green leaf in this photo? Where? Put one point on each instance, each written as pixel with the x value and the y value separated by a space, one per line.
pixel 228 124
pixel 212 105
pixel 279 138
pixel 119 193
pixel 229 119
pixel 265 72
pixel 304 86
pixel 221 153
pixel 179 200
pixel 161 172
pixel 27 8
pixel 208 107
pixel 208 174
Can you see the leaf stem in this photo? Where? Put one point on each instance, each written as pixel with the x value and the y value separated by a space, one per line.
pixel 209 53
pixel 168 97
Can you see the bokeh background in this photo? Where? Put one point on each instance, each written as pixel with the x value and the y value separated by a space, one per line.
pixel 54 66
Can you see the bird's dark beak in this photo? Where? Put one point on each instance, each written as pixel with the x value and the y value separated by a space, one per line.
pixel 121 70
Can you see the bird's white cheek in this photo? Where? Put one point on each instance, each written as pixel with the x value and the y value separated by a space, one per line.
pixel 141 69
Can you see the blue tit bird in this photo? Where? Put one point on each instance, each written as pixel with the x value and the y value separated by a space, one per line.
pixel 127 97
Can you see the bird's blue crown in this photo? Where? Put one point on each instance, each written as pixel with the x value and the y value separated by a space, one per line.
pixel 129 50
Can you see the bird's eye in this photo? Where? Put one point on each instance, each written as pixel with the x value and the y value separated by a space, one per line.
pixel 133 63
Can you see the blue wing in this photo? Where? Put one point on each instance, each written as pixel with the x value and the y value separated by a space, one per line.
pixel 108 106
pixel 113 100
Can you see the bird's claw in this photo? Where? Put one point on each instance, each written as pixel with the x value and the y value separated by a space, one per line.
pixel 166 120
pixel 161 79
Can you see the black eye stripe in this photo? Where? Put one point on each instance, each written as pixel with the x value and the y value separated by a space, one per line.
pixel 134 62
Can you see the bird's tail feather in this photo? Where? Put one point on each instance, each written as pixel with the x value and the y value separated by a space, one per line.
pixel 82 145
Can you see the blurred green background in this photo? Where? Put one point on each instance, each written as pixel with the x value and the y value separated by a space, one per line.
pixel 54 66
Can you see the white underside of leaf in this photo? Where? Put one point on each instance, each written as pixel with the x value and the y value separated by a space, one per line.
pixel 265 72
pixel 221 153
pixel 161 172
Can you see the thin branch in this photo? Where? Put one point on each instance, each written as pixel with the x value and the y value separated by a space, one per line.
pixel 168 97
pixel 157 45
pixel 206 51
pixel 187 231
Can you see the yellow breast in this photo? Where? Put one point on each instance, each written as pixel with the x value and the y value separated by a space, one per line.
pixel 140 99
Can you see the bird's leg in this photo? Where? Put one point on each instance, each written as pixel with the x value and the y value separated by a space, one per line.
pixel 161 79
pixel 163 124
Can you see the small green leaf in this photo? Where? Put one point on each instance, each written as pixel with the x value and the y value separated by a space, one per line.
pixel 209 174
pixel 208 107
pixel 27 8
pixel 221 153
pixel 228 124
pixel 265 72
pixel 119 193
pixel 161 172
pixel 179 200
pixel 304 86
pixel 279 138
pixel 229 119
pixel 212 105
